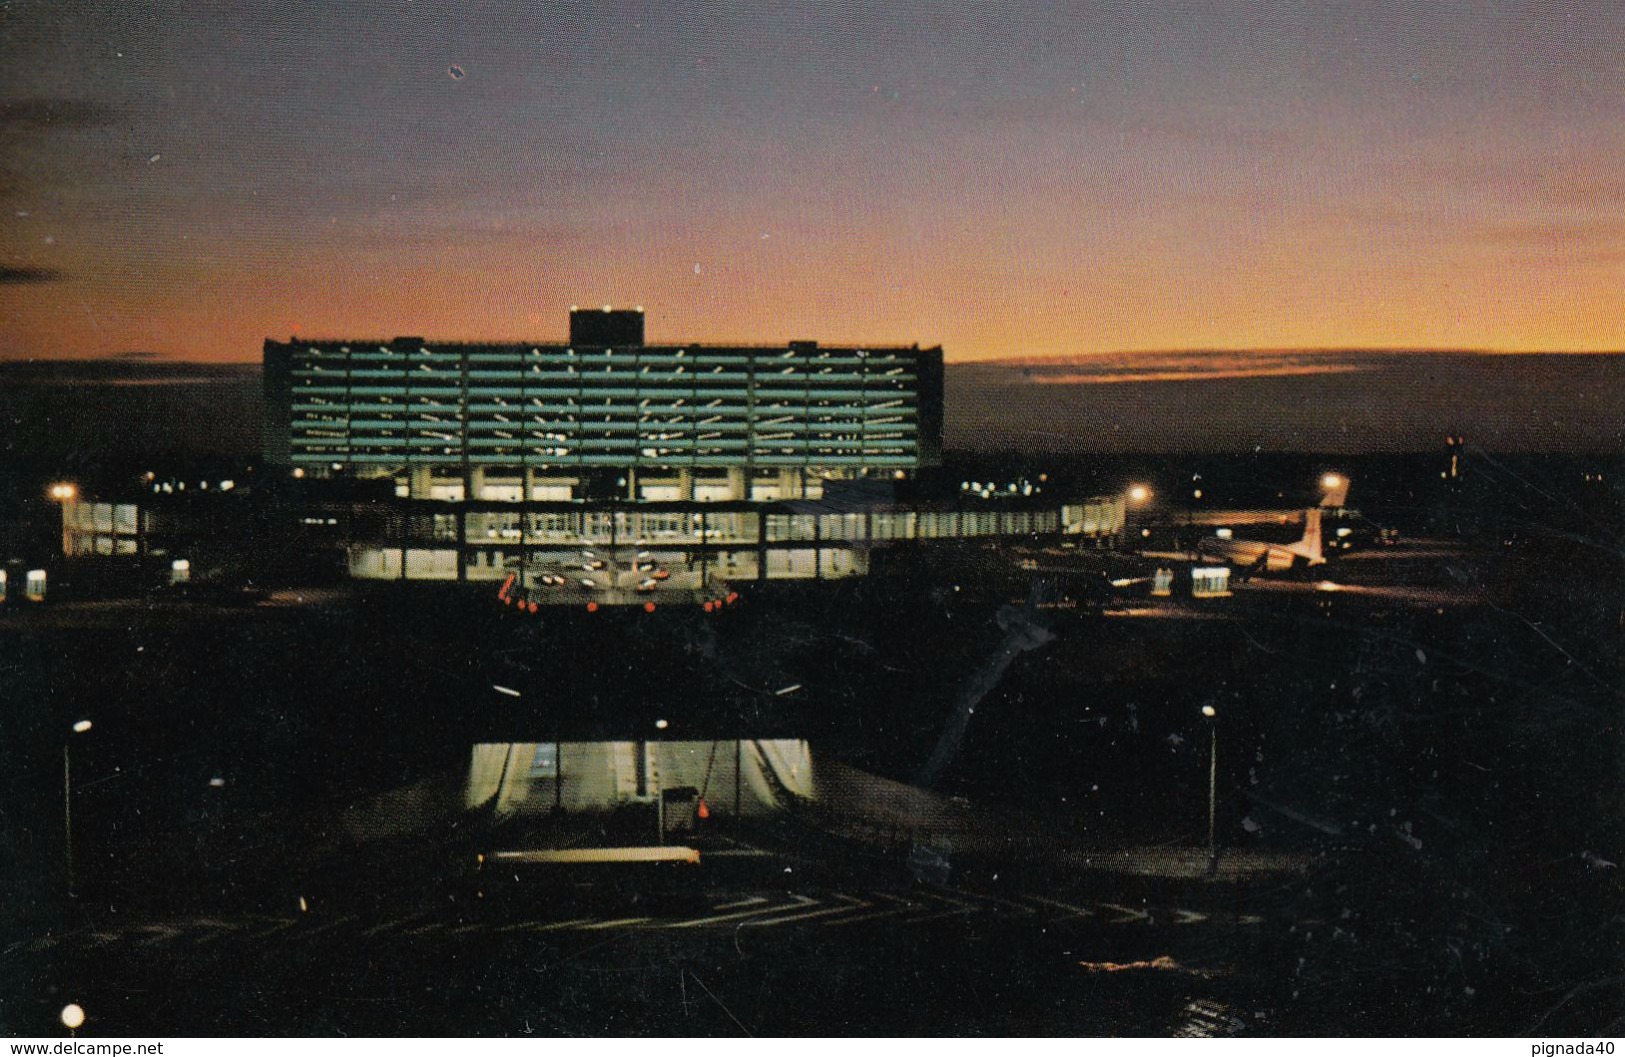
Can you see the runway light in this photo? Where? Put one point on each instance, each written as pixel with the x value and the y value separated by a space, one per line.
pixel 661 724
pixel 1139 493
pixel 592 607
pixel 72 1016
pixel 1209 711
pixel 82 726
pixel 1327 585
pixel 648 607
pixel 62 492
pixel 1331 480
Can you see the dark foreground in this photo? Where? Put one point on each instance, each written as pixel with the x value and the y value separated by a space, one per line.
pixel 1418 809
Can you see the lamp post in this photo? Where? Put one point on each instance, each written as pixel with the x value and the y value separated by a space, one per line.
pixel 1138 495
pixel 63 493
pixel 67 798
pixel 1211 714
pixel 660 792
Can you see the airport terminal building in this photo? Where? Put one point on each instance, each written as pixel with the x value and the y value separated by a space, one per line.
pixel 605 416
pixel 601 470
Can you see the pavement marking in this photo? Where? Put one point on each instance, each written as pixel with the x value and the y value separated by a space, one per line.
pixel 557 925
pixel 1075 912
pixel 393 923
pixel 717 919
pixel 752 901
pixel 1130 915
pixel 852 903
pixel 903 907
pixel 615 924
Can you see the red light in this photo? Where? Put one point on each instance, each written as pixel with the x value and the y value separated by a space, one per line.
pixel 733 596
pixel 648 607
pixel 592 607
pixel 704 810
pixel 708 607
pixel 533 607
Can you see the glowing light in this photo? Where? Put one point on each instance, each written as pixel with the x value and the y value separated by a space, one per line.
pixel 1139 493
pixel 72 1016
pixel 1331 481
pixel 661 724
pixel 82 726
pixel 648 607
pixel 63 492
pixel 510 691
pixel 1209 711
pixel 1327 585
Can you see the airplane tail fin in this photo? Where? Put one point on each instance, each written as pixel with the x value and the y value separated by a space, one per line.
pixel 1311 548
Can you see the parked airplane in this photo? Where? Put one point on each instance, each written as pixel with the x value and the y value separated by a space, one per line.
pixel 1264 541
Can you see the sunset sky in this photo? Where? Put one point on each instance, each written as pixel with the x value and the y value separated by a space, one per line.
pixel 1008 180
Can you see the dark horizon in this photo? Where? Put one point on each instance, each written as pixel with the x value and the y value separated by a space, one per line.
pixel 1336 403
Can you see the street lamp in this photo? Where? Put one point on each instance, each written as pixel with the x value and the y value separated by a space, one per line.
pixel 1211 714
pixel 660 781
pixel 80 727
